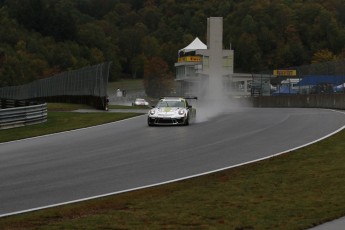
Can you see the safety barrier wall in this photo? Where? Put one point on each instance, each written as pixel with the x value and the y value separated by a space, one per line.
pixel 328 101
pixel 22 116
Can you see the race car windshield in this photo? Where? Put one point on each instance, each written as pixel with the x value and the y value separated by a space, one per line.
pixel 179 104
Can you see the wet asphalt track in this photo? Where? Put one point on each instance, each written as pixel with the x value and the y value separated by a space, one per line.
pixel 107 159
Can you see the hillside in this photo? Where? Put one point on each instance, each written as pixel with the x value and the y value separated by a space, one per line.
pixel 39 38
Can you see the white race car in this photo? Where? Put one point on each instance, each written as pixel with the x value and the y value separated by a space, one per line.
pixel 172 111
pixel 140 101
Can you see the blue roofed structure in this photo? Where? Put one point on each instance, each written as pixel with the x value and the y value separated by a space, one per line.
pixel 284 90
pixel 321 79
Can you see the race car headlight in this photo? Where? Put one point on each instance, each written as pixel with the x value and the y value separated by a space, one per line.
pixel 152 112
pixel 181 112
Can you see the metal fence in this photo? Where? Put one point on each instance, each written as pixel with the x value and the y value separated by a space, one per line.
pixel 88 81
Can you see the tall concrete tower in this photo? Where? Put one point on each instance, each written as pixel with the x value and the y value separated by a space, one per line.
pixel 215 57
pixel 210 65
pixel 217 62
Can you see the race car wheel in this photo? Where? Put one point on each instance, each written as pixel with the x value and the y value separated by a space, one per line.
pixel 186 121
pixel 149 123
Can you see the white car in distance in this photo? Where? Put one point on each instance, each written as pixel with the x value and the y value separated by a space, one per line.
pixel 140 101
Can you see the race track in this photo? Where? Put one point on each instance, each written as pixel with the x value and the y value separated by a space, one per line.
pixel 107 159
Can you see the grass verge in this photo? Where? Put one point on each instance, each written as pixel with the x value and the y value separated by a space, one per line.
pixel 60 107
pixel 126 84
pixel 297 190
pixel 128 107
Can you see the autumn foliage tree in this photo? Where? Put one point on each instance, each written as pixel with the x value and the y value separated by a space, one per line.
pixel 324 55
pixel 158 79
pixel 43 37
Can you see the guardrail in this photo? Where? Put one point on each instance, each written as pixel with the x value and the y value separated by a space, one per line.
pixel 22 116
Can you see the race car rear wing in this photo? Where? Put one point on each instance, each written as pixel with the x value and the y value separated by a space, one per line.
pixel 177 97
pixel 196 98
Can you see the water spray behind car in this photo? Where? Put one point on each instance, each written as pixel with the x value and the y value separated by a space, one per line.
pixel 215 97
pixel 213 100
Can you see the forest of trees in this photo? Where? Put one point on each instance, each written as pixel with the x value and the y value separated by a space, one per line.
pixel 39 38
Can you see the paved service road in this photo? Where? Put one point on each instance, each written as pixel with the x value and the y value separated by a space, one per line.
pixel 332 225
pixel 65 167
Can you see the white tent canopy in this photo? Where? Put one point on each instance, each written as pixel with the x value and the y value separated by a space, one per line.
pixel 195 45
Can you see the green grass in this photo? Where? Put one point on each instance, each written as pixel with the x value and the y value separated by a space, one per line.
pixel 128 107
pixel 127 84
pixel 66 107
pixel 297 190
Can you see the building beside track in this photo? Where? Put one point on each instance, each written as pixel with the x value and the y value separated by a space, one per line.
pixel 198 64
